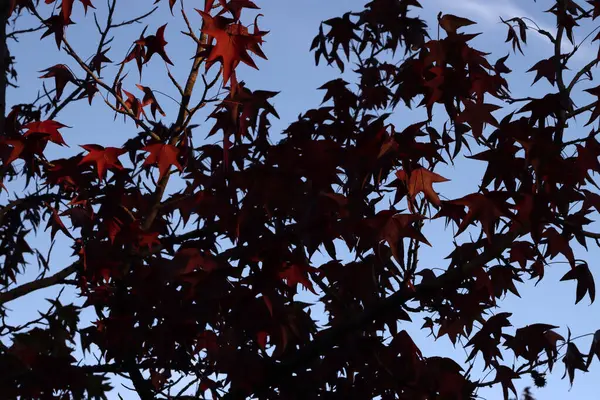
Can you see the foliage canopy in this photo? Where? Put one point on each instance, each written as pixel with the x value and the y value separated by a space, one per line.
pixel 194 291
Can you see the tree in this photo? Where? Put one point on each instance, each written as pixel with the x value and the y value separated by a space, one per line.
pixel 190 259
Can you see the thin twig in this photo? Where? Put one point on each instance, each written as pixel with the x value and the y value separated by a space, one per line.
pixel 135 20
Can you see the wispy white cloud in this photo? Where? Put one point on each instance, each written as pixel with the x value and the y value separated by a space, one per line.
pixel 491 12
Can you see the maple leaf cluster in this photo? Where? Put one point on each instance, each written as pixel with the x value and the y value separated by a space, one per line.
pixel 199 282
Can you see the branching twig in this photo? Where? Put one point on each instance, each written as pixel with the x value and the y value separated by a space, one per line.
pixel 29 287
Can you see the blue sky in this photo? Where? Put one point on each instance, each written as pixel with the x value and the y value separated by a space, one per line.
pixel 290 69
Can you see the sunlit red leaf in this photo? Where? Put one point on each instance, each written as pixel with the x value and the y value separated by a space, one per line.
pixel 163 155
pixel 104 158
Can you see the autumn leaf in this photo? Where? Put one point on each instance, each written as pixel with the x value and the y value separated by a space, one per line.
pixel 594 349
pixel 595 91
pixel 46 129
pixel 22 147
pixel 298 273
pixel 66 7
pixel 342 32
pixel 190 259
pixel 451 23
pixel 585 282
pixel 545 68
pixel 522 252
pixel 477 115
pixel 233 44
pixel 104 158
pixel 557 243
pixel 596 10
pixel 505 375
pixel 393 228
pixel 137 53
pixel 61 74
pixel 89 90
pixel 573 360
pixel 149 99
pixel 235 7
pixel 19 5
pixel 481 208
pixel 56 25
pixel 261 339
pixel 155 44
pixel 452 212
pixel 98 59
pixel 500 66
pixel 171 4
pixel 421 181
pixel 56 223
pixel 134 105
pixel 487 339
pixel 163 155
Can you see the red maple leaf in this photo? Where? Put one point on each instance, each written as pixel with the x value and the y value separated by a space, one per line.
pixel 90 88
pixel 150 99
pixel 235 7
pixel 24 148
pixel 596 5
pixel 65 171
pixel 342 32
pixel 585 282
pixel 573 360
pixel 545 68
pixel 171 4
pixel 595 91
pixel 522 252
pixel 56 223
pixel 481 208
pixel 98 59
pixel 46 129
pixel 191 258
pixel 393 227
pixel 164 155
pixel 137 53
pixel 61 74
pixel 421 180
pixel 20 4
pixel 487 339
pixel 505 375
pixel 233 44
pixel 134 104
pixel 298 273
pixel 594 348
pixel 451 212
pixel 105 158
pixel 66 7
pixel 556 243
pixel 56 25
pixel 476 115
pixel 451 23
pixel 140 237
pixel 155 44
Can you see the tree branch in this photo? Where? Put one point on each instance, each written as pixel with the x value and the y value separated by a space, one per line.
pixel 4 8
pixel 29 287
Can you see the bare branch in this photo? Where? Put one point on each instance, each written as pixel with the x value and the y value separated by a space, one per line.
pixel 30 287
pixel 586 69
pixel 13 35
pixel 135 20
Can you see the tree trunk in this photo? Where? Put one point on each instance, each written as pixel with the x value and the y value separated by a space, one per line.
pixel 4 9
